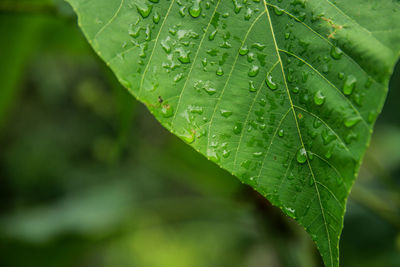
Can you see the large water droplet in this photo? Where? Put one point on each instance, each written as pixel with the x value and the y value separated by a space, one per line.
pixel 167 111
pixel 271 84
pixel 252 88
pixel 212 35
pixel 195 9
pixel 336 52
pixel 295 89
pixel 319 98
pixel 301 156
pixel 352 121
pixel 188 136
pixel 144 10
pixel 226 113
pixel 156 18
pixel 258 154
pixel 237 129
pixel 220 71
pixel 183 56
pixel 349 85
pixel 212 155
pixel 244 50
pixel 254 71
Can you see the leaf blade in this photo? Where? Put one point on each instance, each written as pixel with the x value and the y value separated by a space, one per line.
pixel 234 105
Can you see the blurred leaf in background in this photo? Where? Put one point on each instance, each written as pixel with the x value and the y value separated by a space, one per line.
pixel 89 178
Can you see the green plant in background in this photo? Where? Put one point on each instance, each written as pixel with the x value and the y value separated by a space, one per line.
pixel 282 94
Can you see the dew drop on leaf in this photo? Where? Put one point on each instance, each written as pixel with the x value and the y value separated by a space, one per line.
pixel 244 50
pixel 220 71
pixel 195 9
pixel 350 122
pixel 167 111
pixel 319 98
pixel 226 113
pixel 253 71
pixel 258 154
pixel 301 156
pixel 295 89
pixel 237 129
pixel 156 18
pixel 349 85
pixel 336 52
pixel 145 10
pixel 252 88
pixel 188 136
pixel 271 84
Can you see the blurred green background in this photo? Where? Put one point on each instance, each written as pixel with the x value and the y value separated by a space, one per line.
pixel 89 178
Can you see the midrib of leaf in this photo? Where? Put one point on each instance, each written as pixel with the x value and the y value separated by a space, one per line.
pixel 298 131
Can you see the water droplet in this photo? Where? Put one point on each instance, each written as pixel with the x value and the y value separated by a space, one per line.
pixel 237 129
pixel 220 71
pixel 167 111
pixel 195 109
pixel 226 153
pixel 278 11
pixel 249 13
pixel 317 123
pixel 156 18
pixel 301 156
pixel 271 84
pixel 327 137
pixel 183 56
pixel 144 10
pixel 336 53
pixel 178 77
pixel 251 57
pixel 349 85
pixel 253 71
pixel 350 122
pixel 195 9
pixel 258 46
pixel 212 35
pixel 281 133
pixel 295 89
pixel 252 88
pixel 244 50
pixel 188 136
pixel 209 90
pixel 319 98
pixel 212 155
pixel 226 113
pixel 291 212
pixel 372 116
pixel 258 154
pixel 238 6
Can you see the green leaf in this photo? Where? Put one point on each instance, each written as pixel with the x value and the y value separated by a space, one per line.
pixel 281 93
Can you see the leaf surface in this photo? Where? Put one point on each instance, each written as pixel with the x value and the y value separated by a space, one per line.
pixel 281 93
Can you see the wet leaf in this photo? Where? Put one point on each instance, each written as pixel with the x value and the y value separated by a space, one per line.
pixel 280 93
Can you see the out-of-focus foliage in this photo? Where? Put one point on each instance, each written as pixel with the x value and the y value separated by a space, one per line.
pixel 88 178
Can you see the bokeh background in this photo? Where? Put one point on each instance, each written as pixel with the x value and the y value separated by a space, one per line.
pixel 89 178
